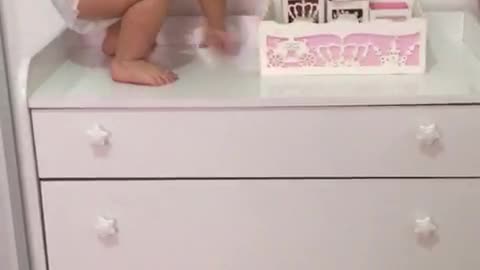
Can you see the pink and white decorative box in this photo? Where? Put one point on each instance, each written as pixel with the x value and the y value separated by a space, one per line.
pixel 345 47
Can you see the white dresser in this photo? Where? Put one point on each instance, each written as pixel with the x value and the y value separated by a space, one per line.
pixel 227 170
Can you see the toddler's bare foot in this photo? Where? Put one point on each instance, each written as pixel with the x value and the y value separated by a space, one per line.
pixel 141 72
pixel 219 40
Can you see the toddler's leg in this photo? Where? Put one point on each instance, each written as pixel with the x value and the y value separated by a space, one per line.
pixel 216 35
pixel 109 45
pixel 140 26
pixel 104 9
pixel 215 12
pixel 141 22
pixel 110 42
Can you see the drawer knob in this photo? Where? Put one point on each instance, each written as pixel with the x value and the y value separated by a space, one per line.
pixel 428 134
pixel 106 227
pixel 425 228
pixel 98 135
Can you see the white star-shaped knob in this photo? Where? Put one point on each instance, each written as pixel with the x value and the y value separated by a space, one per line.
pixel 98 135
pixel 428 134
pixel 106 227
pixel 425 228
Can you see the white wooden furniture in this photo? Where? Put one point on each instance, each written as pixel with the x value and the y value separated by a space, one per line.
pixel 13 244
pixel 228 170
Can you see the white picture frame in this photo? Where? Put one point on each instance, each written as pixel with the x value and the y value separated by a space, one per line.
pixel 348 10
pixel 306 10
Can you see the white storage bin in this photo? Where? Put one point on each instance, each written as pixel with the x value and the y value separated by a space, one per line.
pixel 342 47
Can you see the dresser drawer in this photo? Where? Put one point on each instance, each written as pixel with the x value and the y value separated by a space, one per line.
pixel 283 225
pixel 295 142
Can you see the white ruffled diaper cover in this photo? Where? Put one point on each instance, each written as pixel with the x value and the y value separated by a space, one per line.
pixel 68 9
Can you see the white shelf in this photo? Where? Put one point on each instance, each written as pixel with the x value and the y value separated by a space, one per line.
pixel 453 77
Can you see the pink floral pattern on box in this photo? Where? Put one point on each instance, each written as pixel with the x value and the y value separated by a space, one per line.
pixel 354 50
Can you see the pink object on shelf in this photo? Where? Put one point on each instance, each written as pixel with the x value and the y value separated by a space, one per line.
pixel 393 43
pixel 388 5
pixel 354 50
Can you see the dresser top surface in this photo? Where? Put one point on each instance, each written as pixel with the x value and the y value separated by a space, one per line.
pixel 84 81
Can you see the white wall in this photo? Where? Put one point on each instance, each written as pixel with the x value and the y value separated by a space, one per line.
pixel 457 4
pixel 28 25
pixel 13 246
pixel 7 242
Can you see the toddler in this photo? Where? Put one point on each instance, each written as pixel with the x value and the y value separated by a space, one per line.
pixel 132 27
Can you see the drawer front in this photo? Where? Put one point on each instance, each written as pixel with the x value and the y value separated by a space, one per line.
pixel 283 225
pixel 329 142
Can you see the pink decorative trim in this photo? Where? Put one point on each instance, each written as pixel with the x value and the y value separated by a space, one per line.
pixel 388 5
pixel 329 50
